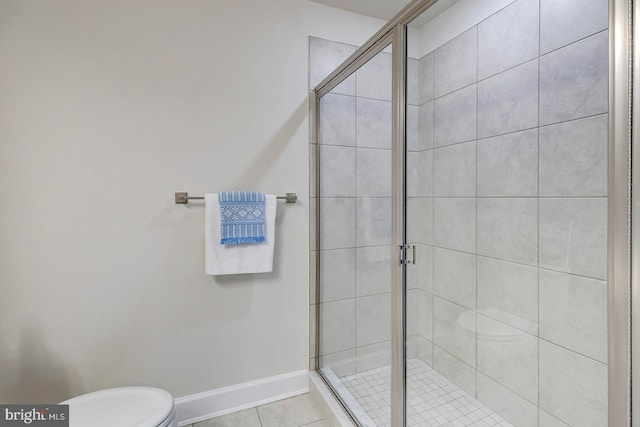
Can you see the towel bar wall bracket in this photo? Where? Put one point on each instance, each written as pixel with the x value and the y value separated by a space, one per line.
pixel 182 198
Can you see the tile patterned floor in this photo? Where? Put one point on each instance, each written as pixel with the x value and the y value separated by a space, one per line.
pixel 297 411
pixel 433 400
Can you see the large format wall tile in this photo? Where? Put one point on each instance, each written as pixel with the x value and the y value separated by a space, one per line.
pixel 373 319
pixel 337 171
pixel 337 274
pixel 508 292
pixel 508 229
pixel 374 221
pixel 412 346
pixel 413 96
pixel 425 126
pixel 573 313
pixel 455 117
pixel 413 123
pixel 313 322
pixel 373 172
pixel 337 120
pixel 425 352
pixel 373 123
pixel 373 356
pixel 455 63
pixel 338 331
pixel 455 370
pixel 324 57
pixel 424 262
pixel 420 220
pixel 574 80
pixel 420 274
pixel 506 403
pixel 508 102
pixel 455 223
pixel 341 363
pixel 455 277
pixel 573 236
pixel 425 78
pixel 455 170
pixel 508 356
pixel 573 388
pixel 425 315
pixel 373 270
pixel 412 276
pixel 313 270
pixel 314 152
pixel 508 165
pixel 337 223
pixel 559 26
pixel 420 173
pixel 508 38
pixel 454 330
pixel 573 158
pixel 373 79
pixel 412 312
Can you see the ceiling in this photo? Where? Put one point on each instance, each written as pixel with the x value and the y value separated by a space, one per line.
pixel 381 9
pixel 386 9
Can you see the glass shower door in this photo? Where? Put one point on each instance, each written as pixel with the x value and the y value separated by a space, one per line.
pixel 507 139
pixel 355 239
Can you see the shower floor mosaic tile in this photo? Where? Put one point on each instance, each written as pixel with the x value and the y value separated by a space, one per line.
pixel 433 400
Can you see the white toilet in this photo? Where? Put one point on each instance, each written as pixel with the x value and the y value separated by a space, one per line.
pixel 123 407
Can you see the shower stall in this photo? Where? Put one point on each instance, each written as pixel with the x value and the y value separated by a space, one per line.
pixel 470 175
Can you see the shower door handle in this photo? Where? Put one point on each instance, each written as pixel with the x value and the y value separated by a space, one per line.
pixel 403 254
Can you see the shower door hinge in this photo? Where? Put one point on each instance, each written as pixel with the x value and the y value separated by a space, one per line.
pixel 403 254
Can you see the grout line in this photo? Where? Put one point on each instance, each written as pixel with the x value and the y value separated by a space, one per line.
pixel 592 197
pixel 444 350
pixel 355 197
pixel 355 214
pixel 433 206
pixel 568 349
pixel 472 197
pixel 597 33
pixel 507 387
pixel 489 316
pixel 540 55
pixel 455 303
pixel 520 263
pixel 484 138
pixel 476 197
pixel 538 213
pixel 258 414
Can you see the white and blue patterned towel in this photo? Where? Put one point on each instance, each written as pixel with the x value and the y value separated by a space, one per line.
pixel 241 217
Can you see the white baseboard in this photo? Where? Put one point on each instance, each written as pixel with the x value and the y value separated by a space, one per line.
pixel 213 403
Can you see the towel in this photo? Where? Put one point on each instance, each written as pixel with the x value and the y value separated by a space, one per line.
pixel 237 259
pixel 241 217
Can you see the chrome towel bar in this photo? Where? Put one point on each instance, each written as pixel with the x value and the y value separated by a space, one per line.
pixel 182 198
